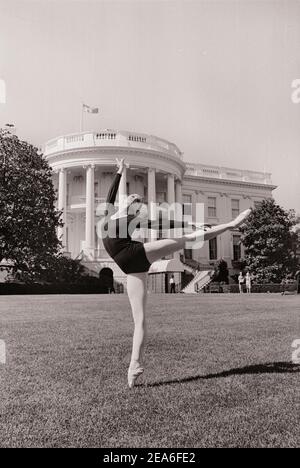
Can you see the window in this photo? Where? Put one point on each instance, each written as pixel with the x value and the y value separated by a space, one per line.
pixel 237 251
pixel 96 189
pixel 213 249
pixel 212 207
pixel 235 208
pixel 161 197
pixel 187 205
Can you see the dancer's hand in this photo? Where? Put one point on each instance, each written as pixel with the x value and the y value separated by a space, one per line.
pixel 240 219
pixel 121 165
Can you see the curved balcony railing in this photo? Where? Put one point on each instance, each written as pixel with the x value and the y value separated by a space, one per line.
pixel 218 172
pixel 106 138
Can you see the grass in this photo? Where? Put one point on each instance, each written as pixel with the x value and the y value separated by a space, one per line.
pixel 218 372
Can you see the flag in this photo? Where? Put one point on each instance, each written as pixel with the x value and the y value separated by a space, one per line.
pixel 89 109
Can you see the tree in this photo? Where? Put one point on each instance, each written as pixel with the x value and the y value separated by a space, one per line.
pixel 296 230
pixel 57 269
pixel 221 274
pixel 269 242
pixel 28 218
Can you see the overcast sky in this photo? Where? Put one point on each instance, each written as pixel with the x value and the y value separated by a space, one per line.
pixel 214 77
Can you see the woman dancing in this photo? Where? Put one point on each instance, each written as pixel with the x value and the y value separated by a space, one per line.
pixel 135 258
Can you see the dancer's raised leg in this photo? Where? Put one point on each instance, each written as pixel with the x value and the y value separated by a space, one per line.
pixel 137 293
pixel 155 250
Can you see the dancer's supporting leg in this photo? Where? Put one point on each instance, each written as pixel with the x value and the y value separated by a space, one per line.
pixel 160 248
pixel 137 293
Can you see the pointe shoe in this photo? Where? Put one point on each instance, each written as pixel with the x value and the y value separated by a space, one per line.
pixel 133 374
pixel 240 219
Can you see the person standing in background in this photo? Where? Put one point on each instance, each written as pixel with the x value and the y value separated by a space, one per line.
pixel 172 284
pixel 248 282
pixel 241 282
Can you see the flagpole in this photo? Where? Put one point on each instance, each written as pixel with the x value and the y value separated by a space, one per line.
pixel 81 118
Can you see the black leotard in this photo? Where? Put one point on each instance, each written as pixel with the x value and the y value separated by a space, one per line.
pixel 129 254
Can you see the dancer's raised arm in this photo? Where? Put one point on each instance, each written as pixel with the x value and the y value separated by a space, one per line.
pixel 111 196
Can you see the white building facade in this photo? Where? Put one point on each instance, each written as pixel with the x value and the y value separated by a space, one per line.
pixel 85 163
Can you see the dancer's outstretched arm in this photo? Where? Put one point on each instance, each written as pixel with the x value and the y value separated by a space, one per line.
pixel 175 224
pixel 162 224
pixel 165 224
pixel 162 221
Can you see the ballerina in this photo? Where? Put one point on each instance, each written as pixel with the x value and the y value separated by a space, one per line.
pixel 135 258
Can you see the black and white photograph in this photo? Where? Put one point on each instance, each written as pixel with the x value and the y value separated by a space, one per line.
pixel 149 227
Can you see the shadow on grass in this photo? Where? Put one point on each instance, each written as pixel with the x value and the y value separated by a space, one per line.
pixel 268 368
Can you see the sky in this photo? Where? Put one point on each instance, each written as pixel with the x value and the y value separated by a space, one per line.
pixel 214 77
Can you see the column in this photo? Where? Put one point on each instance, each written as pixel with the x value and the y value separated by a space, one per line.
pixel 179 213
pixel 171 189
pixel 123 187
pixel 178 191
pixel 226 238
pixel 201 255
pixel 90 212
pixel 62 205
pixel 152 199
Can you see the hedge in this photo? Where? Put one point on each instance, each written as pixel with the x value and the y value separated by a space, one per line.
pixel 17 288
pixel 256 288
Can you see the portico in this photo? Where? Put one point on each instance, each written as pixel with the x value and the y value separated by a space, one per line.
pixel 92 180
pixel 84 177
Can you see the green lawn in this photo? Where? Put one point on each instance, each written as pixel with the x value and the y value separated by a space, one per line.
pixel 218 372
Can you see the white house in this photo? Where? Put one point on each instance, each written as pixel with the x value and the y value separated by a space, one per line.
pixel 84 164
